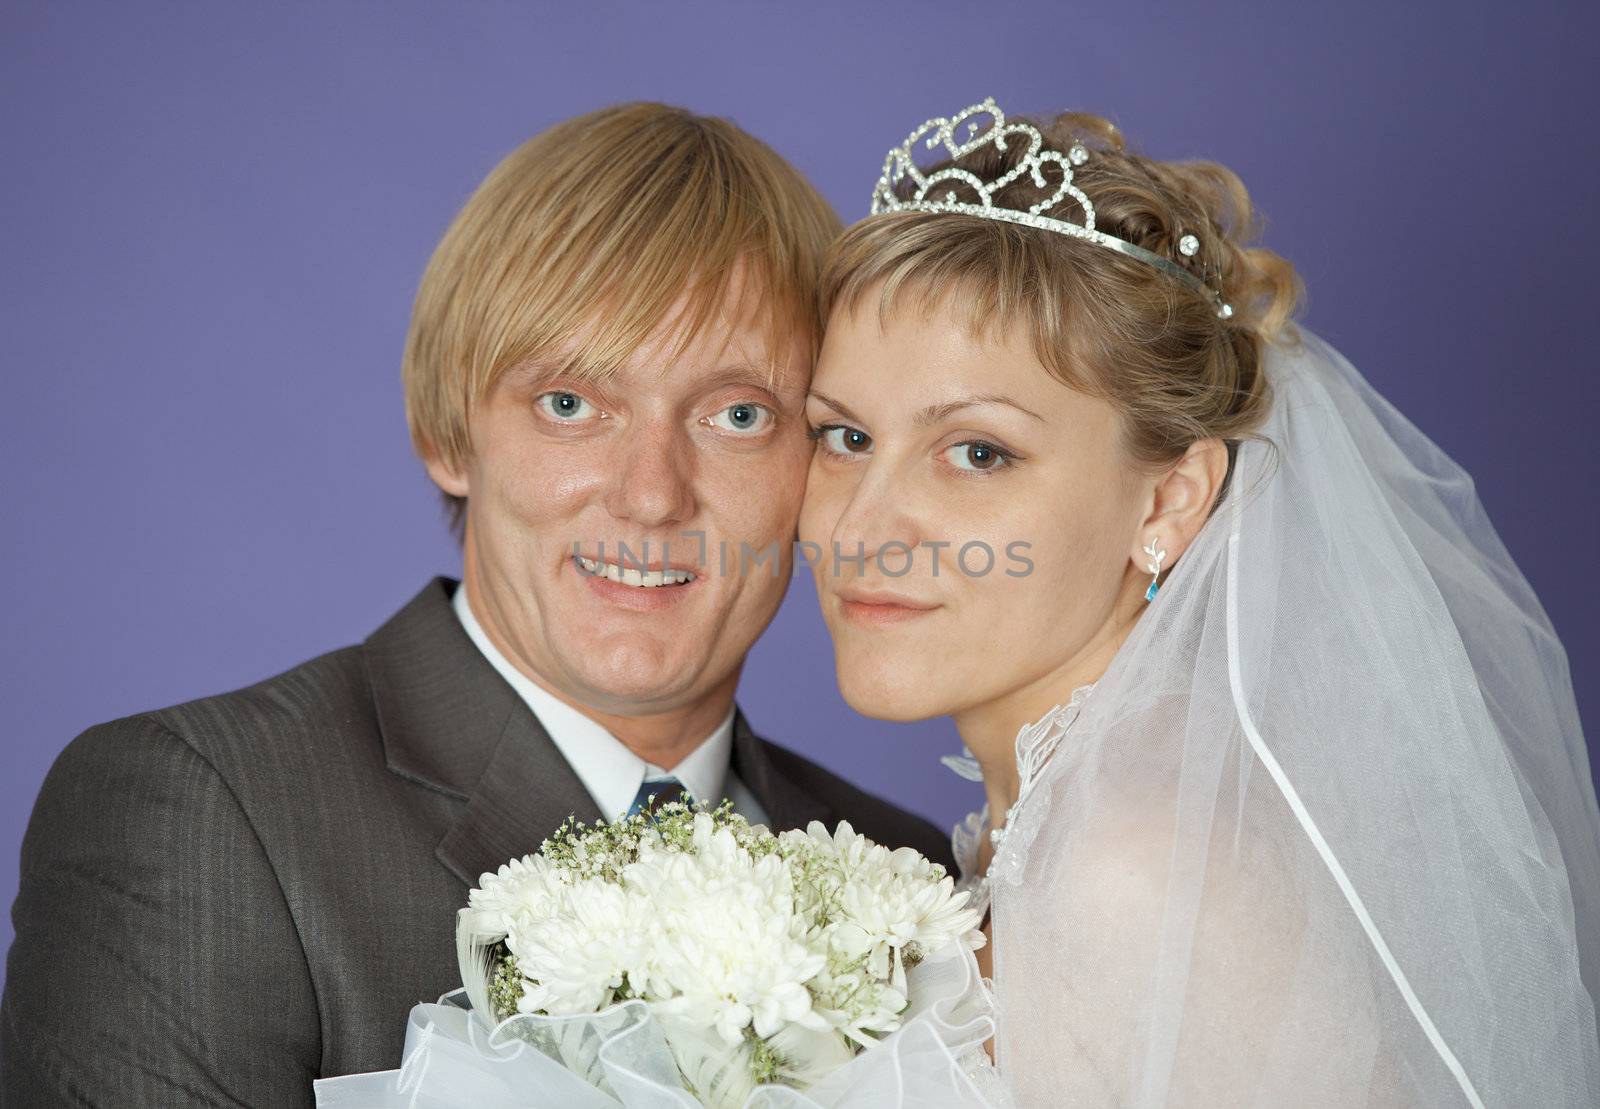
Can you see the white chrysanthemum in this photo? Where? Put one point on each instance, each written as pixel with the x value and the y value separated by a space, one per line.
pixel 522 889
pixel 893 903
pixel 857 1003
pixel 595 941
pixel 730 952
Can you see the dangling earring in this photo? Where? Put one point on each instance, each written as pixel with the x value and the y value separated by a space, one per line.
pixel 1157 556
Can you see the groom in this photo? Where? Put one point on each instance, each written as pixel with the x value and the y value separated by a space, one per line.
pixel 224 900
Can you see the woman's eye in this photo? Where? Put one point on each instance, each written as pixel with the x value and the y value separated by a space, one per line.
pixel 838 439
pixel 976 456
pixel 565 406
pixel 744 417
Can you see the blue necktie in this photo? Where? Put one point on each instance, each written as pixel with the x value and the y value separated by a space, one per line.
pixel 664 790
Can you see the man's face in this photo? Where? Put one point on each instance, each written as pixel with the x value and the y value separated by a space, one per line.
pixel 703 443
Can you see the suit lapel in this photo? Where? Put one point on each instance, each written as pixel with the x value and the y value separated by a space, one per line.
pixel 788 805
pixel 450 722
pixel 525 793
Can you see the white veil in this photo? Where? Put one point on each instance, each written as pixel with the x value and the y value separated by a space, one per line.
pixel 1324 833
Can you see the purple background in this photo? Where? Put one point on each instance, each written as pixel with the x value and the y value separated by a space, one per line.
pixel 213 218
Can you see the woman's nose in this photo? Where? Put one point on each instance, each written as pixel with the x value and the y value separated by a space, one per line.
pixel 880 525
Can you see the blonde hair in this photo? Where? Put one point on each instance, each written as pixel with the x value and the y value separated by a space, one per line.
pixel 579 244
pixel 1100 322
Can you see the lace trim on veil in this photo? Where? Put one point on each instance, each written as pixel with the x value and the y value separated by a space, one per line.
pixel 1036 743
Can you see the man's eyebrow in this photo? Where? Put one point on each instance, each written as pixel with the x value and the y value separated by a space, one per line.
pixel 536 372
pixel 739 373
pixel 936 412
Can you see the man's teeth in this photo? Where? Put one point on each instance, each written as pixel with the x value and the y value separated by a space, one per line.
pixel 628 575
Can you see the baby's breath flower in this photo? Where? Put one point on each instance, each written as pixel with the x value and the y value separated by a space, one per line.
pixel 505 988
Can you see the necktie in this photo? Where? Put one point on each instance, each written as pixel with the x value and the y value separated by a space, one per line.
pixel 664 790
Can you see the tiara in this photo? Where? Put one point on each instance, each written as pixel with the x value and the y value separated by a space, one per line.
pixel 899 165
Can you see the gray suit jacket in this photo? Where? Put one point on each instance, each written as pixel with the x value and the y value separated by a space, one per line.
pixel 224 900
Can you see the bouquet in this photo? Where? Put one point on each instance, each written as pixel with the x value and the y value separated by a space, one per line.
pixel 685 957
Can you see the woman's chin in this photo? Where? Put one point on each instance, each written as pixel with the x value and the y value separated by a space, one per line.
pixel 900 698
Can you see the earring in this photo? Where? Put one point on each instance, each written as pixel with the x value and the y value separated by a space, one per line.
pixel 1157 556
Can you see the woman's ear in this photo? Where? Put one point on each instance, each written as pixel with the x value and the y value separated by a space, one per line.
pixel 447 473
pixel 1181 501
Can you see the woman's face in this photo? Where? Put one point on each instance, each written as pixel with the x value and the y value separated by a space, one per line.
pixel 972 518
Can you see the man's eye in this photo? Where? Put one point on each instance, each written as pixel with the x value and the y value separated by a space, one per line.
pixel 746 417
pixel 839 439
pixel 976 456
pixel 565 406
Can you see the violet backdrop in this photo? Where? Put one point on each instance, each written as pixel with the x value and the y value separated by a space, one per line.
pixel 213 218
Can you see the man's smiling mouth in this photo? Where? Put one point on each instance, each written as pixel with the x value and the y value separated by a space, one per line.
pixel 632 575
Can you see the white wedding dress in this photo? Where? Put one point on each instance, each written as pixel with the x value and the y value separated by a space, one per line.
pixel 1324 833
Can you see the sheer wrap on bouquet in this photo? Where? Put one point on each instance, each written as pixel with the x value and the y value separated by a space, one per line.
pixel 621 1057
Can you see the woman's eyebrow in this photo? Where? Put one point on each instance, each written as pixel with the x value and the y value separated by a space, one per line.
pixel 936 412
pixel 836 406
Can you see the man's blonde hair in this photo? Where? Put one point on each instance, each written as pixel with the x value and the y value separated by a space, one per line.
pixel 579 244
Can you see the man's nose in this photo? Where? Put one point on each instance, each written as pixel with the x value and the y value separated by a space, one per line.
pixel 652 481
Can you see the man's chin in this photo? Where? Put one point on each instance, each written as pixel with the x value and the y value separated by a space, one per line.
pixel 627 684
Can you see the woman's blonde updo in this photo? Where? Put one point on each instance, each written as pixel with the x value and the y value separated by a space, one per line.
pixel 1101 322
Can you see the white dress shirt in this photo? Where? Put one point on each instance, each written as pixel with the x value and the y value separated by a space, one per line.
pixel 608 770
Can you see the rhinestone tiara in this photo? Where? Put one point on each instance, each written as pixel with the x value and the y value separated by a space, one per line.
pixel 899 164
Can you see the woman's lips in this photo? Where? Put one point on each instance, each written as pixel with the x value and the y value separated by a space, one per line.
pixel 881 610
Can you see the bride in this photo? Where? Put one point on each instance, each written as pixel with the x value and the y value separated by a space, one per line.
pixel 1288 801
